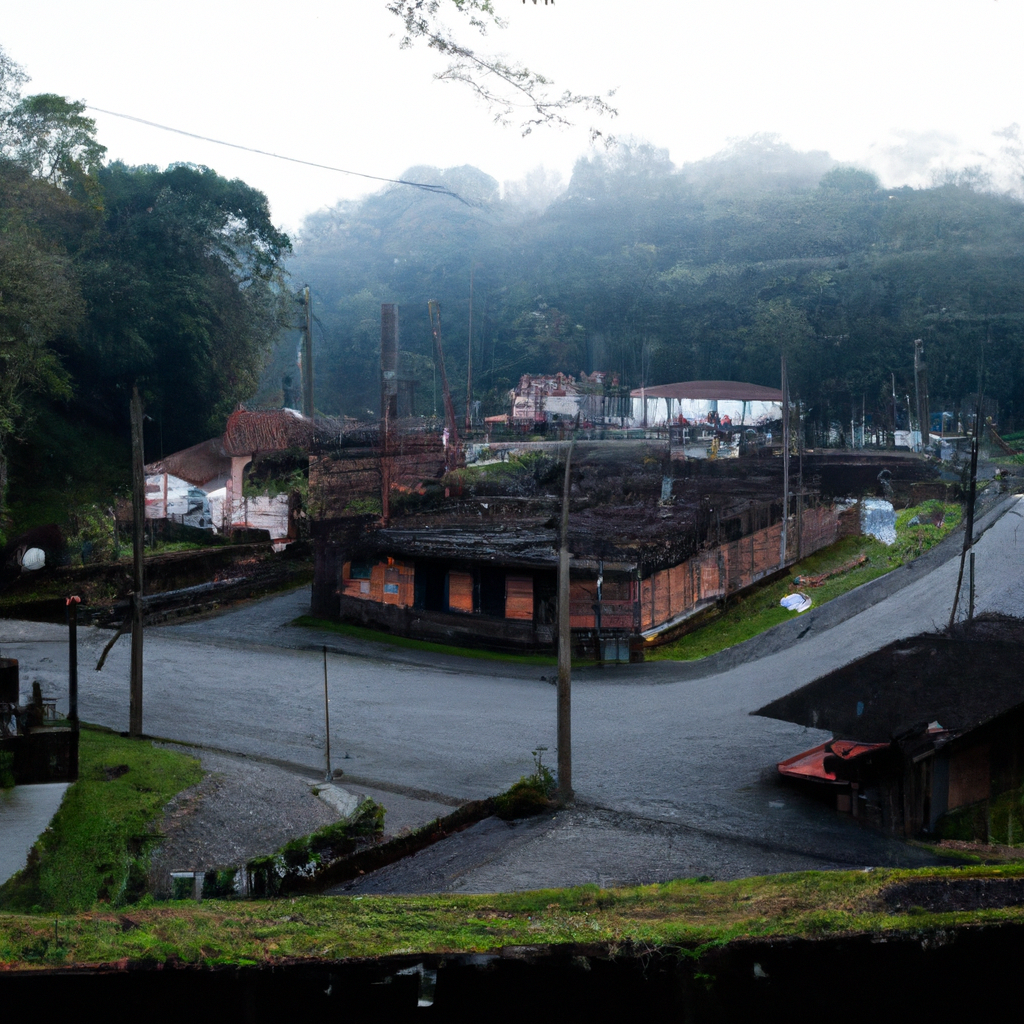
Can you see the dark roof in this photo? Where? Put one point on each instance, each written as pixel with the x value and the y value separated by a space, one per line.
pixel 714 390
pixel 197 465
pixel 959 681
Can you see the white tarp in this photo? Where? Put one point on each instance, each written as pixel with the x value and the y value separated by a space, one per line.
pixel 662 411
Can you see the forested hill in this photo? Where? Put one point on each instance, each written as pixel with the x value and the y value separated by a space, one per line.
pixel 663 273
pixel 113 277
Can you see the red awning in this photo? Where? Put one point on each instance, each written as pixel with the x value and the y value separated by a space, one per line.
pixel 811 763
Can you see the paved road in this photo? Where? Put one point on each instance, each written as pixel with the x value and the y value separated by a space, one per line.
pixel 669 748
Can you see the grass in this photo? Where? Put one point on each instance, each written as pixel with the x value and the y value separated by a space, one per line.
pixel 97 847
pixel 362 633
pixel 689 913
pixel 753 613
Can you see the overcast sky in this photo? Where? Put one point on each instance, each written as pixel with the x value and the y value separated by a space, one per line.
pixel 901 86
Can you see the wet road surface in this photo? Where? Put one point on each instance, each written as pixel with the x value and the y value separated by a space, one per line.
pixel 673 774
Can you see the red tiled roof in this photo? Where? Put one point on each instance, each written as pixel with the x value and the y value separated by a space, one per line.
pixel 268 430
pixel 713 390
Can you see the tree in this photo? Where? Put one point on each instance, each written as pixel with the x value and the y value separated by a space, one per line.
pixel 512 91
pixel 52 137
pixel 40 303
pixel 184 284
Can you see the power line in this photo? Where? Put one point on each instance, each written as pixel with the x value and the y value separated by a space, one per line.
pixel 437 189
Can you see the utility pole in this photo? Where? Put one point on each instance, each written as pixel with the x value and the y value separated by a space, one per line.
pixel 918 344
pixel 785 462
pixel 894 410
pixel 307 353
pixel 388 402
pixel 469 359
pixel 72 604
pixel 327 722
pixel 969 534
pixel 565 793
pixel 138 539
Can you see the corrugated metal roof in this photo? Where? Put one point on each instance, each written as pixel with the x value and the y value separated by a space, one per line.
pixel 712 390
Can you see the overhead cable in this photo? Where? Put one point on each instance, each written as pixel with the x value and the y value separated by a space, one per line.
pixel 437 189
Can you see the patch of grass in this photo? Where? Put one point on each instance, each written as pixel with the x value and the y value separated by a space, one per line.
pixel 97 846
pixel 753 613
pixel 689 913
pixel 362 633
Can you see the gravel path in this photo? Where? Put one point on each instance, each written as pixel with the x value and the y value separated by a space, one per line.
pixel 244 808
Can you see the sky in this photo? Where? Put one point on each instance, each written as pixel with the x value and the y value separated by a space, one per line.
pixel 903 87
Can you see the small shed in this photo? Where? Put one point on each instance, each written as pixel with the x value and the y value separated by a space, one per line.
pixel 921 727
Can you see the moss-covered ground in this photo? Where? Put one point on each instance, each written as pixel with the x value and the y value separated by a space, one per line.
pixel 688 912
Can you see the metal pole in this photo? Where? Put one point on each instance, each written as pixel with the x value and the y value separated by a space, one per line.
pixel 327 721
pixel 138 541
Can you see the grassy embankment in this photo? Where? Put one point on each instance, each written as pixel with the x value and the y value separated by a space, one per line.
pixel 759 610
pixel 74 904
pixel 97 846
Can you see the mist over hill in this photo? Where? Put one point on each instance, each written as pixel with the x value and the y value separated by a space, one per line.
pixel 662 273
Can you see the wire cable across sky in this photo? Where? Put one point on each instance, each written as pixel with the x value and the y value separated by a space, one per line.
pixel 437 189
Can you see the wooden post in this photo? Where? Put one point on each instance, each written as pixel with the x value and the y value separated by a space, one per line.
pixel 565 793
pixel 138 540
pixel 307 353
pixel 72 606
pixel 785 463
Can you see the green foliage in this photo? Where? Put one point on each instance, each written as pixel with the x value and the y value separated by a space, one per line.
pixel 97 846
pixel 6 769
pixel 532 794
pixel 364 507
pixel 305 856
pixel 999 821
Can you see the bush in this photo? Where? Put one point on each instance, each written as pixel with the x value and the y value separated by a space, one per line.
pixel 532 794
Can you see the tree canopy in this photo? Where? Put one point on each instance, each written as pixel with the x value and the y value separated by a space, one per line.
pixel 112 276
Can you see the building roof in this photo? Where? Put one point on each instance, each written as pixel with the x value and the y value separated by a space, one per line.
pixel 711 390
pixel 200 463
pixel 268 430
pixel 958 681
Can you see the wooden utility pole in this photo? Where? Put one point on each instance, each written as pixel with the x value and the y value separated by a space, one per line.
pixel 972 495
pixel 307 358
pixel 785 463
pixel 565 793
pixel 138 540
pixel 469 359
pixel 72 604
pixel 327 722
